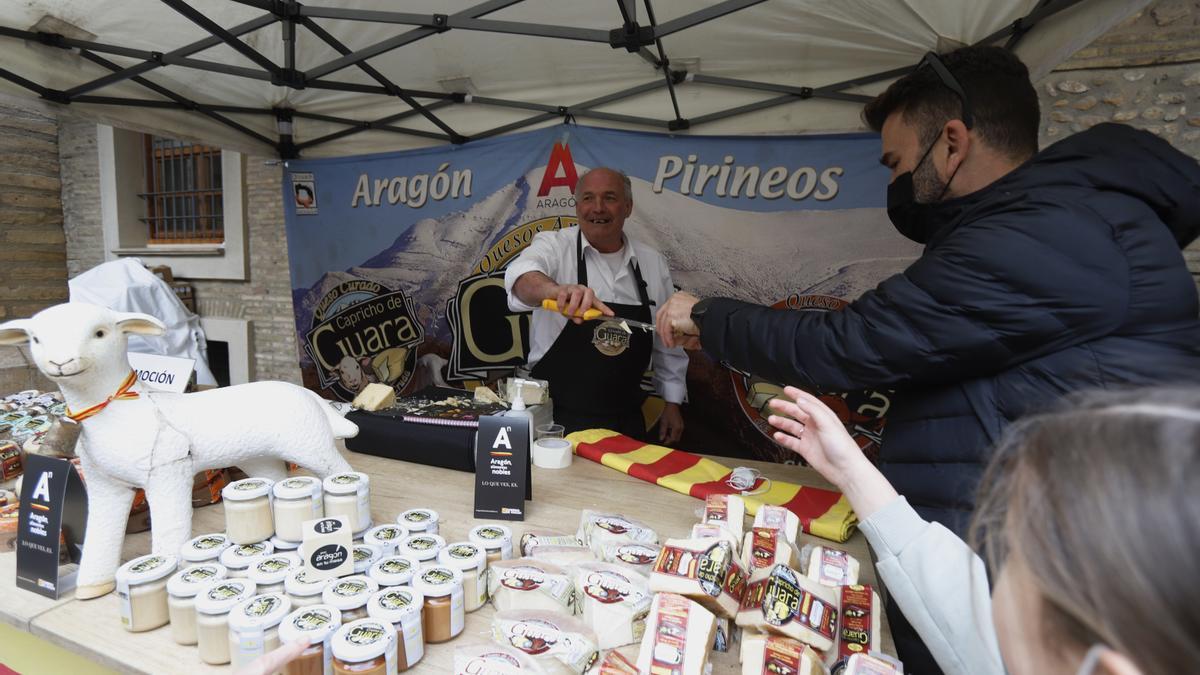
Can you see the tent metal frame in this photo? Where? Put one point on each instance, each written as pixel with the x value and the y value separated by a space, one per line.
pixel 642 40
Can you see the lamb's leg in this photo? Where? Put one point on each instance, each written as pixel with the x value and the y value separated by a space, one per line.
pixel 264 467
pixel 108 513
pixel 169 493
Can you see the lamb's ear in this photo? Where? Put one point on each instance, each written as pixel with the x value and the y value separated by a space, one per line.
pixel 139 324
pixel 14 332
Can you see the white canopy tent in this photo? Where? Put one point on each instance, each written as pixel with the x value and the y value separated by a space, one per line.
pixel 356 76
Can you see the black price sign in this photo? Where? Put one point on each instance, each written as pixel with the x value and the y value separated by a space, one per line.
pixel 502 472
pixel 53 510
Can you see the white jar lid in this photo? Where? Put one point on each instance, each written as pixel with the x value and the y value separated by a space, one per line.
pixel 239 557
pixel 313 624
pixel 422 546
pixel 222 595
pixel 188 581
pixel 205 547
pixel 437 581
pixel 346 483
pixel 491 536
pixel 298 487
pixel 247 488
pixel 301 584
pixel 463 555
pixel 387 535
pixel 394 570
pixel 363 640
pixel 272 569
pixel 393 605
pixel 349 592
pixel 259 613
pixel 418 519
pixel 284 544
pixel 365 555
pixel 147 568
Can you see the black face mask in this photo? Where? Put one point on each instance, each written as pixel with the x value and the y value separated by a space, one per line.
pixel 911 217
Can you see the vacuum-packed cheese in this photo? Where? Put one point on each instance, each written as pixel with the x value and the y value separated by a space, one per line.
pixel 678 635
pixel 597 529
pixel 558 642
pixel 525 583
pixel 493 659
pixel 858 624
pixel 613 602
pixel 637 557
pixel 787 603
pixel 832 567
pixel 873 664
pixel 727 511
pixel 778 518
pixel 563 556
pixel 705 570
pixel 767 654
pixel 765 548
pixel 532 539
pixel 716 531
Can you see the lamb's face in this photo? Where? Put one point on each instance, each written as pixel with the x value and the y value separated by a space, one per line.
pixel 68 340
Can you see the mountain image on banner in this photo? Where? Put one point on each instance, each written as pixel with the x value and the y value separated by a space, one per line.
pixel 777 254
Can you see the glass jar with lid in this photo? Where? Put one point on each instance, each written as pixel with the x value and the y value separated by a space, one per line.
pixel 237 559
pixel 364 647
pixel 419 520
pixel 297 499
pixel 401 607
pixel 213 603
pixel 349 494
pixel 269 572
pixel 142 591
pixel 495 539
pixel 254 626
pixel 182 588
pixel 387 537
pixel 349 595
pixel 248 516
pixel 442 615
pixel 315 625
pixel 364 556
pixel 423 547
pixel 303 588
pixel 205 548
pixel 472 562
pixel 394 570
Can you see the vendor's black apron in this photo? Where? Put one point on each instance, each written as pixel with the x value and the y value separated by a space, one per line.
pixel 595 368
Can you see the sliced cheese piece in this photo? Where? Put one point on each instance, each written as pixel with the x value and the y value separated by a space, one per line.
pixel 787 603
pixel 705 570
pixel 859 624
pixel 832 566
pixel 526 583
pixel 766 654
pixel 678 636
pixel 375 396
pixel 558 642
pixel 778 518
pixel 597 529
pixel 613 601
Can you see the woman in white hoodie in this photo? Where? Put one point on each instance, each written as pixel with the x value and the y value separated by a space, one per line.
pixel 1090 514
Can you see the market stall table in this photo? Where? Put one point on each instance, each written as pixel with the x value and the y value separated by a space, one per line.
pixel 93 628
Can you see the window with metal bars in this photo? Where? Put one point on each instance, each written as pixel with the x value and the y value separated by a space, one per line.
pixel 183 192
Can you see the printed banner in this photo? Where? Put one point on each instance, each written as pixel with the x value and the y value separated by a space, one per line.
pixel 398 277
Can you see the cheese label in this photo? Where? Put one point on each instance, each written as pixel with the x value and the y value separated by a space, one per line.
pixel 523 578
pixel 782 655
pixel 610 587
pixel 834 566
pixel 763 546
pixel 716 509
pixel 670 633
pixel 854 627
pixel 782 600
pixel 716 569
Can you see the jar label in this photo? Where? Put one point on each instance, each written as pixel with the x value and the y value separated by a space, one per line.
pixel 362 553
pixel 295 483
pixel 148 564
pixel 262 605
pixel 395 566
pixel 276 564
pixel 250 550
pixel 422 543
pixel 349 588
pixel 313 619
pixel 345 478
pixel 396 599
pixel 417 516
pixel 490 533
pixel 366 633
pixel 437 576
pixel 463 551
pixel 205 543
pixel 249 485
pixel 198 574
pixel 387 533
pixel 226 591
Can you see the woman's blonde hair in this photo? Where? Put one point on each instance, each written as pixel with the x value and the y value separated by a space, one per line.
pixel 1101 501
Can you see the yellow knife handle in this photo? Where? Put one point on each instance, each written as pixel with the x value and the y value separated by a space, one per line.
pixel 591 313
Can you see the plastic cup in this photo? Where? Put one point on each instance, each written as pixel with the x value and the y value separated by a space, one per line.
pixel 549 431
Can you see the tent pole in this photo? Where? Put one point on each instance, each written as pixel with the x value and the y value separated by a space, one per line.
pixel 198 18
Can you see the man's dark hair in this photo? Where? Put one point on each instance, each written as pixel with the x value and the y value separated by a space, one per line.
pixel 1002 99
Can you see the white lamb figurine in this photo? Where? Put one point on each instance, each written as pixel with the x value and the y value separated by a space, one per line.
pixel 160 441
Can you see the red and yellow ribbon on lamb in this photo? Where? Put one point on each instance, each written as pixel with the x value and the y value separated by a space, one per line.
pixel 823 513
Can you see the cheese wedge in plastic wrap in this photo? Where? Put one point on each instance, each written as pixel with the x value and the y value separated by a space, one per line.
pixel 832 566
pixel 525 583
pixel 705 570
pixel 787 603
pixel 493 659
pixel 778 518
pixel 678 636
pixel 558 642
pixel 637 557
pixel 765 548
pixel 613 601
pixel 728 511
pixel 859 625
pixel 532 539
pixel 563 556
pixel 767 654
pixel 597 529
pixel 716 531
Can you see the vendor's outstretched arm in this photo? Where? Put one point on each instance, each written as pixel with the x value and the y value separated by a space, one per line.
pixel 532 288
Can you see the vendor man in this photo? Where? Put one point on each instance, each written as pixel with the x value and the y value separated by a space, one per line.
pixel 595 367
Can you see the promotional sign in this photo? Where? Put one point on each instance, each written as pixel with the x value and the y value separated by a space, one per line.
pixel 162 373
pixel 502 473
pixel 398 277
pixel 327 544
pixel 53 512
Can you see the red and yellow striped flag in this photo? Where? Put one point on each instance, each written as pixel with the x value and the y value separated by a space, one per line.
pixel 823 513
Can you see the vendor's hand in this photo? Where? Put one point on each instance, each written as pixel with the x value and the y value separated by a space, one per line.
pixel 574 299
pixel 814 431
pixel 274 660
pixel 670 424
pixel 674 321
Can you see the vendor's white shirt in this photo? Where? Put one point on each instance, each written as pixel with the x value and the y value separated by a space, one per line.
pixel 553 254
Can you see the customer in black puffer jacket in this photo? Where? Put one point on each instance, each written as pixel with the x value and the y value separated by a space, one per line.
pixel 1042 274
